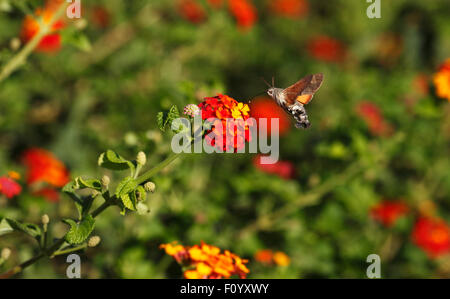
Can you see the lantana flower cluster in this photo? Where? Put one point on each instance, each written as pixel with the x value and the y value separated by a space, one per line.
pixel 45 174
pixel 206 261
pixel 31 26
pixel 230 122
pixel 430 233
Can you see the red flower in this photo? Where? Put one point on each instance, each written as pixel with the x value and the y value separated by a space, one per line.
pixel 374 119
pixel 432 235
pixel 267 108
pixel 264 256
pixel 326 49
pixel 387 212
pixel 232 116
pixel 44 167
pixel 290 8
pixel 283 169
pixel 9 187
pixel 191 11
pixel 30 27
pixel 244 12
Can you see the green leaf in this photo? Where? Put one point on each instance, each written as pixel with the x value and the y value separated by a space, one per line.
pixel 142 193
pixel 112 160
pixel 89 183
pixel 126 186
pixel 79 232
pixel 83 204
pixel 164 122
pixel 160 121
pixel 5 228
pixel 70 187
pixel 173 114
pixel 129 201
pixel 28 228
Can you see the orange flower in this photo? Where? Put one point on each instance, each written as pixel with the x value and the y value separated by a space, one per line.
pixel 387 212
pixel 244 12
pixel 268 257
pixel 281 259
pixel 326 49
pixel 283 169
pixel 264 256
pixel 290 8
pixel 265 107
pixel 9 187
pixel 206 261
pixel 442 80
pixel 374 119
pixel 191 11
pixel 44 167
pixel 30 27
pixel 432 235
pixel 232 116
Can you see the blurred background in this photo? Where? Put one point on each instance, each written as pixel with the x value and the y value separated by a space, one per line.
pixel 371 175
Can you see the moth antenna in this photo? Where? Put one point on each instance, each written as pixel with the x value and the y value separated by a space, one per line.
pixel 257 96
pixel 266 82
pixel 273 81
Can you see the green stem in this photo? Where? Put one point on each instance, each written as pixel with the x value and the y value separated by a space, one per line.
pixel 101 208
pixel 69 250
pixel 20 58
pixel 150 173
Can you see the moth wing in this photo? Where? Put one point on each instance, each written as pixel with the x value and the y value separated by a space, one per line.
pixel 304 90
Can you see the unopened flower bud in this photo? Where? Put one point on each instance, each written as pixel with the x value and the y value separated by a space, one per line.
pixel 81 24
pixel 105 181
pixel 6 253
pixel 45 219
pixel 94 241
pixel 150 187
pixel 141 158
pixel 15 44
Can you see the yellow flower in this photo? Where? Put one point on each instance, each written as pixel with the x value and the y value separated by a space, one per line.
pixel 281 259
pixel 442 80
pixel 172 249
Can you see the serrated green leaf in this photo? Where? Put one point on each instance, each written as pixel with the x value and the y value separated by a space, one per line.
pixel 112 160
pixel 160 121
pixel 70 187
pixel 129 201
pixel 89 183
pixel 126 186
pixel 79 232
pixel 28 228
pixel 173 114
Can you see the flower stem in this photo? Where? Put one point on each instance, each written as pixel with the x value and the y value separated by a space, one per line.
pixel 150 173
pixel 19 59
pixel 69 250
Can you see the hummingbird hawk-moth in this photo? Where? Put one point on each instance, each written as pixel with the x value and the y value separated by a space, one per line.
pixel 295 97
